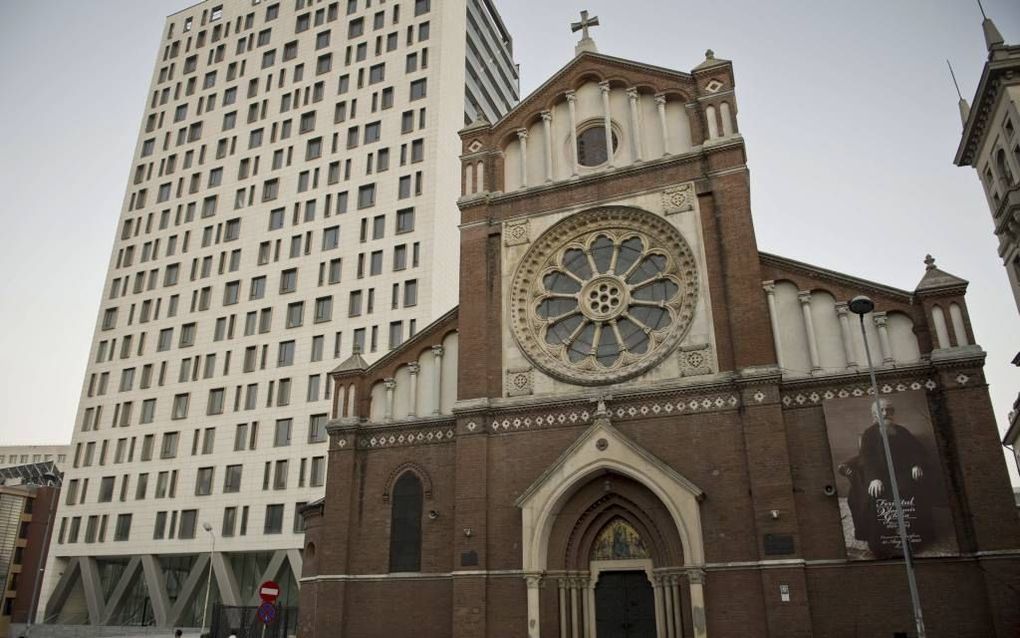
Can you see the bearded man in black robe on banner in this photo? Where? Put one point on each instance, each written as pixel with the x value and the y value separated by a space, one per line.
pixel 870 498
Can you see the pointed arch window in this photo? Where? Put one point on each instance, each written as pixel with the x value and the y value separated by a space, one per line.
pixel 405 524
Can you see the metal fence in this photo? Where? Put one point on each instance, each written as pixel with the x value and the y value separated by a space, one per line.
pixel 243 622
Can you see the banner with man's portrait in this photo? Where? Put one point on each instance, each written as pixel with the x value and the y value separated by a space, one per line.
pixel 866 504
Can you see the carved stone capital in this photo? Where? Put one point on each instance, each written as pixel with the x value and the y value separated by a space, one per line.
pixel 522 133
pixel 437 351
pixel 804 296
pixel 696 576
pixel 604 86
pixel 769 286
pixel 390 383
pixel 571 96
pixel 880 319
pixel 632 93
pixel 534 580
pixel 546 116
pixel 660 99
pixel 413 367
pixel 842 309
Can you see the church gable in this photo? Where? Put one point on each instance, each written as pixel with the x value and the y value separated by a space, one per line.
pixel 816 334
pixel 559 132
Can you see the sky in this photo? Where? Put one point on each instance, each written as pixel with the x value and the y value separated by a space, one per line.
pixel 847 110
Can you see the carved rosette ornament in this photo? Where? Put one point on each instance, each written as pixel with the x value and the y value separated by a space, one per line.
pixel 516 233
pixel 678 199
pixel 604 295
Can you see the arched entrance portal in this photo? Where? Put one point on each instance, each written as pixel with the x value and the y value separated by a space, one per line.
pixel 612 551
pixel 612 544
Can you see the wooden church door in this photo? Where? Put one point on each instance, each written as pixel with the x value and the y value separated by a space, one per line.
pixel 624 605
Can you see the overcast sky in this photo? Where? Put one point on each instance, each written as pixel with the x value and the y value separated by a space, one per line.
pixel 847 110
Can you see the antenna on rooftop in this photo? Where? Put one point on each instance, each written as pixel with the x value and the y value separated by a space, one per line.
pixel 953 75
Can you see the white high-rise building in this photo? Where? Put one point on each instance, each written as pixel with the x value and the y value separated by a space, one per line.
pixel 291 201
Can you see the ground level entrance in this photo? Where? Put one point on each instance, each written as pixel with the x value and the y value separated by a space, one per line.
pixel 624 605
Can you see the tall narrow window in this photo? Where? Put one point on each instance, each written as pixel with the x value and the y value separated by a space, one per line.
pixel 405 524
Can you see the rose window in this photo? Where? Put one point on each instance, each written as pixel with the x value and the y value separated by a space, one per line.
pixel 604 295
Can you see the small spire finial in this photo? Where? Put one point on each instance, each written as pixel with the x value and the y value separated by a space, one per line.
pixel 993 38
pixel 929 262
pixel 709 54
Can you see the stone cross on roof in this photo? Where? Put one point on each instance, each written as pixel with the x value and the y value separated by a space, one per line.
pixel 586 43
pixel 583 25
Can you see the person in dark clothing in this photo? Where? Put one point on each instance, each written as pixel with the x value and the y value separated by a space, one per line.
pixel 870 497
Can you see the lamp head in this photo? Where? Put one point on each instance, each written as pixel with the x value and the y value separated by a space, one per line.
pixel 861 305
pixel 207 527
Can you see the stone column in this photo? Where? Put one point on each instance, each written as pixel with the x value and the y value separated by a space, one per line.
pixel 668 600
pixel 770 292
pixel 809 326
pixel 562 584
pixel 608 121
pixel 534 581
pixel 635 124
pixel 572 105
pixel 575 608
pixel 883 338
pixel 437 382
pixel 589 618
pixel 413 368
pixel 696 577
pixel 391 385
pixel 522 138
pixel 547 129
pixel 660 609
pixel 678 613
pixel 660 105
pixel 844 330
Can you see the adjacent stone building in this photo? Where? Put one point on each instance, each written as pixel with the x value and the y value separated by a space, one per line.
pixel 991 144
pixel 637 424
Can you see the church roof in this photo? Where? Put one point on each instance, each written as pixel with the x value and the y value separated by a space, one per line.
pixel 602 62
pixel 850 280
pixel 710 61
pixel 938 279
pixel 351 363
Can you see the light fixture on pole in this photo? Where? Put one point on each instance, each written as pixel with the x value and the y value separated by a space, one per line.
pixel 49 480
pixel 860 306
pixel 208 581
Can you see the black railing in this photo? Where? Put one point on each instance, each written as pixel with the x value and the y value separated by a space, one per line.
pixel 243 622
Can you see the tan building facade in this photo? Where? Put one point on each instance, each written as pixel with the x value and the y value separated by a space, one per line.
pixel 289 203
pixel 650 428
pixel 991 144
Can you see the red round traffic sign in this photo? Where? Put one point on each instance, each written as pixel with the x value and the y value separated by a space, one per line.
pixel 269 591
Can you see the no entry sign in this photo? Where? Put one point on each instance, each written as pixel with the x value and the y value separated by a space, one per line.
pixel 269 591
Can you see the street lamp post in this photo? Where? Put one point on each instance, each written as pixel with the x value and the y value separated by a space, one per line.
pixel 861 306
pixel 208 581
pixel 50 480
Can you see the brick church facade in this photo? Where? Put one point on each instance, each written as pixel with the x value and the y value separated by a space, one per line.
pixel 635 423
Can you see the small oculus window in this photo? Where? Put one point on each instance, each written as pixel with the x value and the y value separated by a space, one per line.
pixel 591 145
